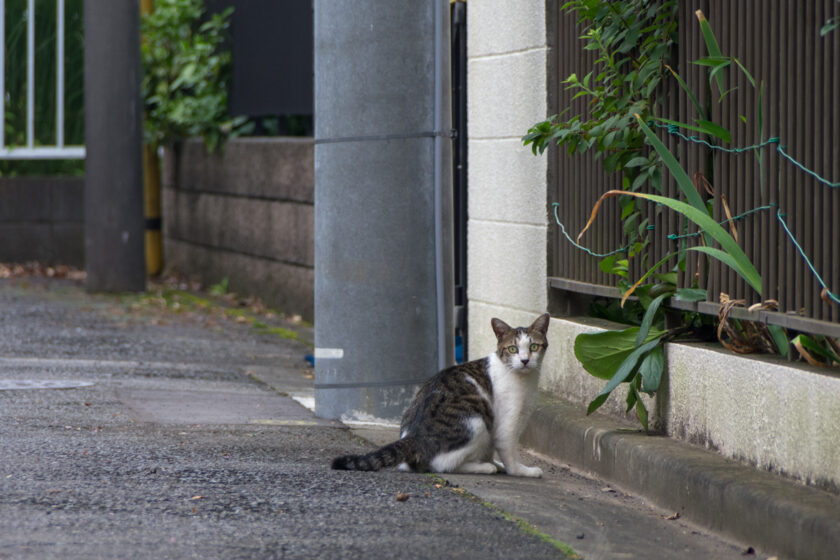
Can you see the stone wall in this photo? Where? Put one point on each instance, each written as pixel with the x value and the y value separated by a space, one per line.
pixel 42 219
pixel 246 215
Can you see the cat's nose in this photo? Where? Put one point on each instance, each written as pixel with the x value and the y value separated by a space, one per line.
pixel 525 362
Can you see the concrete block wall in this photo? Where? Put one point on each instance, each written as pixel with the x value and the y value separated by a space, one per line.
pixel 764 412
pixel 506 230
pixel 246 215
pixel 42 219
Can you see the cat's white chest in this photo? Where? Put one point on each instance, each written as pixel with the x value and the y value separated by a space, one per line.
pixel 513 397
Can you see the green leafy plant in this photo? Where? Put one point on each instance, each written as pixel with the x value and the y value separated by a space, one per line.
pixel 633 40
pixel 221 288
pixel 185 74
pixel 817 350
pixel 635 355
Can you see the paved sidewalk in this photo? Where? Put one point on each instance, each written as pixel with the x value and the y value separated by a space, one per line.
pixel 178 437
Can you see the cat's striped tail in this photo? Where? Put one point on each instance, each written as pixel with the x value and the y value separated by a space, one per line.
pixel 403 450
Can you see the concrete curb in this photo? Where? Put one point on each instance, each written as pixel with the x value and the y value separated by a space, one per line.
pixel 749 505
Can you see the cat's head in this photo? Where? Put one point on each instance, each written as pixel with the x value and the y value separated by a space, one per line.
pixel 521 348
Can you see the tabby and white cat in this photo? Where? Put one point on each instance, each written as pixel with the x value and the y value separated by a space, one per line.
pixel 465 412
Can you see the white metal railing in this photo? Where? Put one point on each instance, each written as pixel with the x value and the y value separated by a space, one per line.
pixel 30 150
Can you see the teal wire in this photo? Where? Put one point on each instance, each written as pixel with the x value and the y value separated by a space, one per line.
pixel 784 154
pixel 581 247
pixel 674 237
pixel 675 130
pixel 796 244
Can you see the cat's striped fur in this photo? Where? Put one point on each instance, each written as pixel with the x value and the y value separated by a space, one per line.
pixel 463 414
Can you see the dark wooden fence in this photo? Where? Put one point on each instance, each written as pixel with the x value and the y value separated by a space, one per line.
pixel 779 42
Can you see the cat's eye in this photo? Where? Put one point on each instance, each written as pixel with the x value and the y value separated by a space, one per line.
pixel 513 349
pixel 534 347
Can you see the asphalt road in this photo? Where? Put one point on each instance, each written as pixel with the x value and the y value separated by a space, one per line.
pixel 178 438
pixel 171 450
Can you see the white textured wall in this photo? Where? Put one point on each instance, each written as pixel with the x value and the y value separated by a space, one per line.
pixel 760 410
pixel 507 184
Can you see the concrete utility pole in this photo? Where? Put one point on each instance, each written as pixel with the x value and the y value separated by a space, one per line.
pixel 114 225
pixel 383 203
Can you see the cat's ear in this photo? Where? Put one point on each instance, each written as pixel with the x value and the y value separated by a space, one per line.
pixel 499 327
pixel 540 325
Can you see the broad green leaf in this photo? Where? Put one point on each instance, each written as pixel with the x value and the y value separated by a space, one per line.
pixel 725 135
pixel 780 338
pixel 713 129
pixel 602 353
pixel 739 263
pixel 596 404
pixel 691 294
pixel 745 71
pixel 607 264
pixel 697 106
pixel 647 320
pixel 651 370
pixel 683 180
pixel 713 61
pixel 628 366
pixel 667 277
pixel 712 46
pixel 632 397
pixel 642 414
pixel 637 162
pixel 645 276
pixel 638 182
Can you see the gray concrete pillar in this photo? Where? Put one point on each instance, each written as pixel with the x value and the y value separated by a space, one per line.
pixel 383 203
pixel 114 223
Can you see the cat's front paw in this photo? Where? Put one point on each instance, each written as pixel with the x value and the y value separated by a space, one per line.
pixel 522 470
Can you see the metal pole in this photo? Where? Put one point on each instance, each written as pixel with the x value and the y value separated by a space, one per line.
pixel 114 223
pixel 151 193
pixel 444 247
pixel 59 74
pixel 3 74
pixel 383 197
pixel 30 74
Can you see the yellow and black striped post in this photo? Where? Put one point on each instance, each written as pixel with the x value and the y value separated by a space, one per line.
pixel 151 193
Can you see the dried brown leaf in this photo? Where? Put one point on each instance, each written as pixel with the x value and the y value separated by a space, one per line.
pixel 807 355
pixel 729 217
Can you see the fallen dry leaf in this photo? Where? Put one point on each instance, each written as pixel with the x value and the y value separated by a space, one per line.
pixel 196 497
pixel 674 516
pixel 400 497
